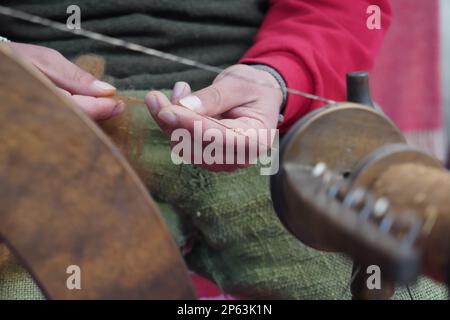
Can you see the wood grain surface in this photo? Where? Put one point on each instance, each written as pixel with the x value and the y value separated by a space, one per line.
pixel 68 197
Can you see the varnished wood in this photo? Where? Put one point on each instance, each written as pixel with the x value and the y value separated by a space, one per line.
pixel 414 183
pixel 339 136
pixel 365 151
pixel 336 135
pixel 68 197
pixel 423 190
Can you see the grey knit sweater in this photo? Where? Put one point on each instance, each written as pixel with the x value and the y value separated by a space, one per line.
pixel 216 32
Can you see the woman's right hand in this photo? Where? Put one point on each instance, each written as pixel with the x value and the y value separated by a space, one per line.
pixel 90 94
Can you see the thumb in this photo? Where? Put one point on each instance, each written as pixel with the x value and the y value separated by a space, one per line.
pixel 217 99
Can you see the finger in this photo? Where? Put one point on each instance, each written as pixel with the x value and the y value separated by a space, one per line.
pixel 70 77
pixel 221 96
pixel 156 101
pixel 78 81
pixel 62 72
pixel 174 117
pixel 241 133
pixel 65 92
pixel 99 108
pixel 180 90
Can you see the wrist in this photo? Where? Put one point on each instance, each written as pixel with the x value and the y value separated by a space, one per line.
pixel 279 80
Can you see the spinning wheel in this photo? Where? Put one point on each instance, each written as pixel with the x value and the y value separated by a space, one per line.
pixel 348 182
pixel 68 197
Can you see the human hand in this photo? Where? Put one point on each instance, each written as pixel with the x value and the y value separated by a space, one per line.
pixel 233 103
pixel 90 94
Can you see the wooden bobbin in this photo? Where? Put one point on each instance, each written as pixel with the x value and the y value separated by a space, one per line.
pixel 338 136
pixel 413 182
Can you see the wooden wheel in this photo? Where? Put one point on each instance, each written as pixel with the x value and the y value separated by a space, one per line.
pixel 68 197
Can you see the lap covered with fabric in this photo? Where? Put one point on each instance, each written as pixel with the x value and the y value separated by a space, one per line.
pixel 227 229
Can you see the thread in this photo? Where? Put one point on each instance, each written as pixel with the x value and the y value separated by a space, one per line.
pixel 148 51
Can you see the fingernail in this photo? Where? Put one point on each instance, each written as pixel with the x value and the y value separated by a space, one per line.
pixel 168 117
pixel 118 108
pixel 103 86
pixel 178 90
pixel 193 103
pixel 153 104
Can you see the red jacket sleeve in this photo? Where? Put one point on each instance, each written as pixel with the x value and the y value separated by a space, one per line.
pixel 313 44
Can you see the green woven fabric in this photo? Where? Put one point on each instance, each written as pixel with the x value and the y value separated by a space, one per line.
pixel 238 242
pixel 16 283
